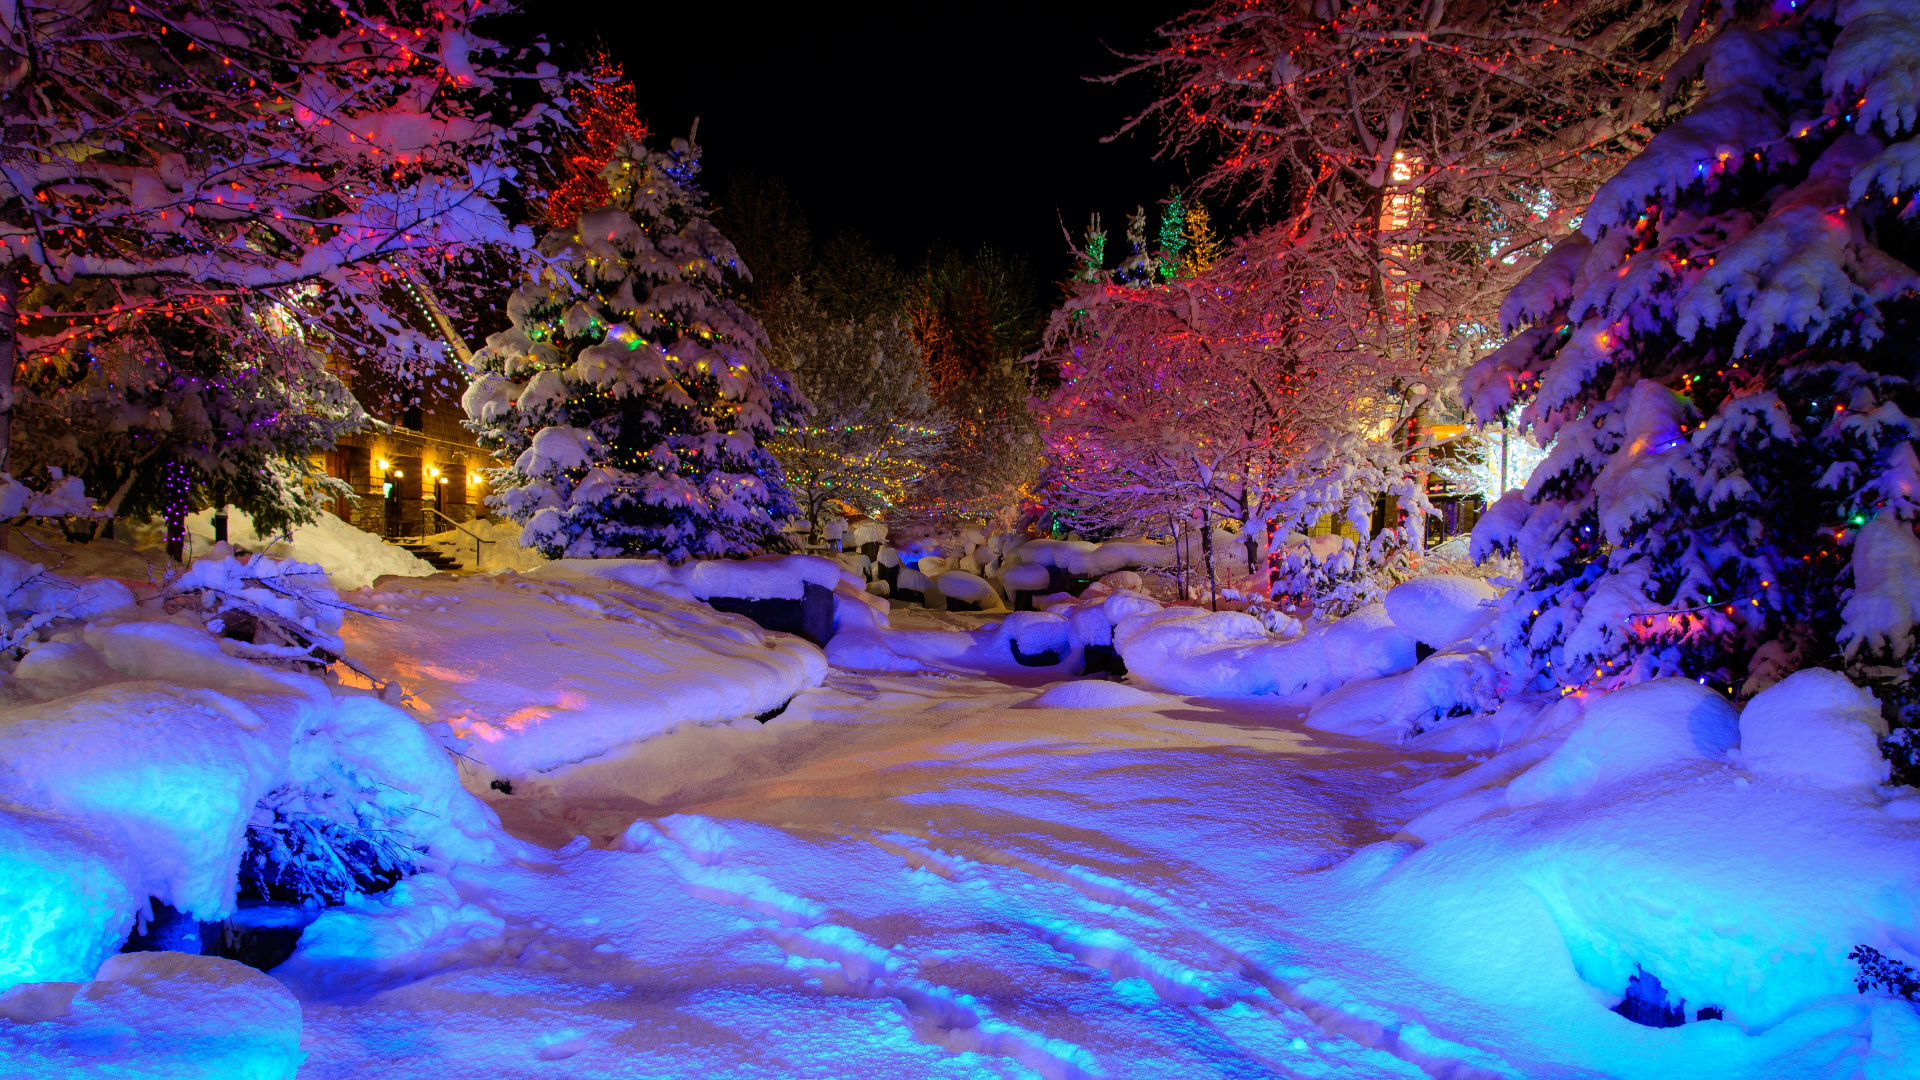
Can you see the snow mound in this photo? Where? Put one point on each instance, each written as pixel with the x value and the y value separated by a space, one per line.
pixel 1094 694
pixel 1440 609
pixel 1815 726
pixel 158 1015
pixel 353 559
pixel 1035 632
pixel 1230 654
pixel 66 899
pixel 540 671
pixel 1629 732
pixel 763 577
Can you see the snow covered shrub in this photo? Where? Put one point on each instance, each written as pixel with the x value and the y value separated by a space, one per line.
pixel 301 857
pixel 1722 356
pixel 276 611
pixel 1878 969
pixel 1647 1002
pixel 31 597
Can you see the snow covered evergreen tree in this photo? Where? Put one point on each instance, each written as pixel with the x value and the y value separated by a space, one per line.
pixel 631 398
pixel 1725 355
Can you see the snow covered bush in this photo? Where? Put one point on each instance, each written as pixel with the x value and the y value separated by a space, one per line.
pixel 1723 358
pixel 630 401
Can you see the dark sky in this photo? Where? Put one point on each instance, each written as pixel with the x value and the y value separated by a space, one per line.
pixel 910 123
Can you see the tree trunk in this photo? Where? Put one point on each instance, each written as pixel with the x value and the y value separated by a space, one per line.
pixel 1206 548
pixel 220 526
pixel 179 487
pixel 9 360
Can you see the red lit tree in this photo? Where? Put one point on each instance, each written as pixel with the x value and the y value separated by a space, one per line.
pixel 199 168
pixel 605 115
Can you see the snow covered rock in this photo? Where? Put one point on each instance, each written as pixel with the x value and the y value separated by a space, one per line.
pixel 1441 609
pixel 1025 577
pixel 1230 653
pixel 967 588
pixel 1036 638
pixel 1815 726
pixel 1640 729
pixel 544 670
pixel 157 1015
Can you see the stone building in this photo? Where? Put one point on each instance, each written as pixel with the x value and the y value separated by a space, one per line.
pixel 418 471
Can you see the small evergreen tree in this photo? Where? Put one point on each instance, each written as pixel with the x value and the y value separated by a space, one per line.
pixel 1725 357
pixel 630 399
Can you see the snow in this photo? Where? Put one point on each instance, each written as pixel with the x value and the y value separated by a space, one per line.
pixel 965 867
pixel 1027 577
pixel 159 1015
pixel 499 550
pixel 1815 726
pixel 354 559
pixel 1630 732
pixel 1441 609
pixel 1095 695
pixel 541 671
pixel 1886 596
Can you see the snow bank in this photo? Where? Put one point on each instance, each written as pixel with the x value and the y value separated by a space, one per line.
pixel 1815 726
pixel 541 671
pixel 353 558
pixel 502 551
pixel 1441 609
pixel 1643 728
pixel 159 1015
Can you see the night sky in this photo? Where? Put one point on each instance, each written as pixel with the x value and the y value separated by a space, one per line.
pixel 913 124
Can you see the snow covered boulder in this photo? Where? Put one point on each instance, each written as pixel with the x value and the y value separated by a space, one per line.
pixel 1441 609
pixel 1036 638
pixel 1817 727
pixel 1641 729
pixel 154 1016
pixel 66 899
pixel 967 592
pixel 540 671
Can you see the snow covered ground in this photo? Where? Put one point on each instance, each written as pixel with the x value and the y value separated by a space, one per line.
pixel 974 868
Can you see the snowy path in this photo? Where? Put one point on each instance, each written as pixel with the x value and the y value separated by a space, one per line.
pixel 909 877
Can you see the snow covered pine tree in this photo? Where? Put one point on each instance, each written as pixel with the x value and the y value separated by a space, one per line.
pixel 631 396
pixel 1725 354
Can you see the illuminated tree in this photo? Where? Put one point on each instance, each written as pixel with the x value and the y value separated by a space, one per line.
pixel 873 431
pixel 630 402
pixel 171 175
pixel 973 321
pixel 605 115
pixel 1426 150
pixel 233 417
pixel 1203 246
pixel 1234 394
pixel 1723 356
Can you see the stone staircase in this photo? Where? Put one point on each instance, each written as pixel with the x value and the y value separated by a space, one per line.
pixel 434 557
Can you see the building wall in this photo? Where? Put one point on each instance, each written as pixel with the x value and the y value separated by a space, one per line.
pixel 423 461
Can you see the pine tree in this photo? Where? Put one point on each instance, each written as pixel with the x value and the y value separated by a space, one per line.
pixel 1093 256
pixel 1724 355
pixel 606 115
pixel 1203 245
pixel 1173 239
pixel 631 399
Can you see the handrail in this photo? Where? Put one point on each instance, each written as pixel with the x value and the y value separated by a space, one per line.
pixel 477 541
